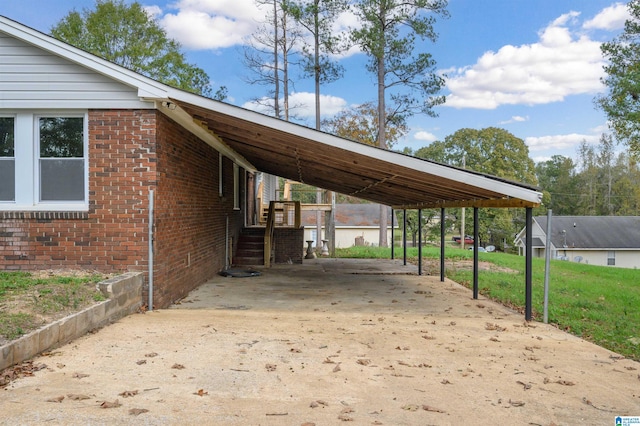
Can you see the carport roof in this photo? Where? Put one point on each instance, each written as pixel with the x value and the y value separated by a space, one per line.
pixel 309 156
pixel 262 143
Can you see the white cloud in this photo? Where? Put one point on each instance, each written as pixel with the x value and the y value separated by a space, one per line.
pixel 559 64
pixel 610 18
pixel 425 136
pixel 559 142
pixel 212 24
pixel 302 105
pixel 515 119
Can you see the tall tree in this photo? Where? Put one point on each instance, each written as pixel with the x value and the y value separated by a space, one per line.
pixel 493 151
pixel 130 37
pixel 268 55
pixel 360 124
pixel 388 35
pixel 622 102
pixel 317 18
pixel 557 177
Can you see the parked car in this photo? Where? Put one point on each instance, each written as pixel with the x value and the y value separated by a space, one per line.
pixel 479 249
pixel 467 239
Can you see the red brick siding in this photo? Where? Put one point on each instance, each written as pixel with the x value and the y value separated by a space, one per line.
pixel 131 152
pixel 190 215
pixel 111 236
pixel 288 243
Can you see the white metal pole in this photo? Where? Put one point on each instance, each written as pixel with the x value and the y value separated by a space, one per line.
pixel 547 264
pixel 150 306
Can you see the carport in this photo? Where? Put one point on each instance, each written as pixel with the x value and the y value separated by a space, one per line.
pixel 265 144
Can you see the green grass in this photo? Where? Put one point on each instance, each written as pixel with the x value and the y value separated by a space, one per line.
pixel 25 300
pixel 598 303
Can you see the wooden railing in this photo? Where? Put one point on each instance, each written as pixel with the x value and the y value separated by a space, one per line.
pixel 280 214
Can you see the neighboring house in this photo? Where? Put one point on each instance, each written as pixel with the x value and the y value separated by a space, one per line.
pixel 355 224
pixel 596 240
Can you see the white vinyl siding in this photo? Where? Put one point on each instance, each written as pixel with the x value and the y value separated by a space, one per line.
pixel 33 78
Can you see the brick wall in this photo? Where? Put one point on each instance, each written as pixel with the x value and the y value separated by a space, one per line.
pixel 111 236
pixel 191 217
pixel 288 243
pixel 131 152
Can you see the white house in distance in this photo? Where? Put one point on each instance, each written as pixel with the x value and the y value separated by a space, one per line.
pixel 596 240
pixel 356 224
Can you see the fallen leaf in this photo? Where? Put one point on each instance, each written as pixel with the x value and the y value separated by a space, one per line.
pixel 328 361
pixel 79 375
pixel 364 362
pixel 142 361
pixel 107 404
pixel 138 411
pixel 410 407
pixel 56 399
pixel 433 409
pixel 77 397
pixel 127 394
pixel 151 355
pixel 201 392
pixel 565 383
pixel 178 366
pixel 516 403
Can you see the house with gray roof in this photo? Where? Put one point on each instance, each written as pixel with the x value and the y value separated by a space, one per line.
pixel 355 224
pixel 596 240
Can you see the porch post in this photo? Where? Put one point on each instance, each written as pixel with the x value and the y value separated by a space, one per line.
pixel 393 256
pixel 442 241
pixel 420 242
pixel 475 252
pixel 404 236
pixel 528 314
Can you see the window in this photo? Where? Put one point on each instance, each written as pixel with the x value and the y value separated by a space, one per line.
pixel 43 162
pixel 7 159
pixel 611 258
pixel 61 141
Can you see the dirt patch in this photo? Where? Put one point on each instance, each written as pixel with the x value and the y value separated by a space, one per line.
pixel 433 266
pixel 53 295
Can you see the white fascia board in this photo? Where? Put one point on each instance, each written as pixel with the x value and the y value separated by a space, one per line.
pixel 180 116
pixel 146 87
pixel 447 172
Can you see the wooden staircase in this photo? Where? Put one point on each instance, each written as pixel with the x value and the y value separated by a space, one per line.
pixel 250 249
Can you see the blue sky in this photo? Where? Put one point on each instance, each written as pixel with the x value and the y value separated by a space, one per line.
pixel 531 67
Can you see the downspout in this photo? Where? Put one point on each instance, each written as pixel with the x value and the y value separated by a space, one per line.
pixel 150 305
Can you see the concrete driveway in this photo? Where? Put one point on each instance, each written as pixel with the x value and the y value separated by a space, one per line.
pixel 323 343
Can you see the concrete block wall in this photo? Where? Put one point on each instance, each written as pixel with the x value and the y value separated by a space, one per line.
pixel 124 294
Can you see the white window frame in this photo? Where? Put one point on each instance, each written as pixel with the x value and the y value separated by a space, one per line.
pixel 611 258
pixel 10 202
pixel 27 163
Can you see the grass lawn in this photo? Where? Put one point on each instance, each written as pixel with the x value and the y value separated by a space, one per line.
pixel 28 301
pixel 598 303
